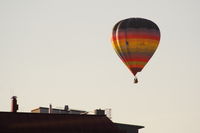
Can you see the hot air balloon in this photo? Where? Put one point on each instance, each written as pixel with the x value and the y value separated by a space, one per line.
pixel 135 40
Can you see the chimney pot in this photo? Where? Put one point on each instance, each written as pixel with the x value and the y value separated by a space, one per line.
pixel 14 104
pixel 50 109
pixel 66 107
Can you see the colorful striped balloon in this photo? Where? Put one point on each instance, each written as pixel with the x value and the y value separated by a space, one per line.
pixel 135 40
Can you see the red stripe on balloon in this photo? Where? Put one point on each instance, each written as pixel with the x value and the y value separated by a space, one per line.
pixel 137 59
pixel 135 66
pixel 153 37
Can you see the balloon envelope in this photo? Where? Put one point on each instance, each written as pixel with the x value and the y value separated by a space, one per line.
pixel 135 40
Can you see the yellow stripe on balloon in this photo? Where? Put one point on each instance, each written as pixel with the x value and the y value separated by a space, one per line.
pixel 137 63
pixel 132 49
pixel 133 43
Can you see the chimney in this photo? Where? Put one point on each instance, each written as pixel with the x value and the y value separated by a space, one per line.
pixel 50 109
pixel 99 112
pixel 14 104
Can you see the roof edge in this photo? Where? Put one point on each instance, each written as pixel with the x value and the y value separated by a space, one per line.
pixel 137 126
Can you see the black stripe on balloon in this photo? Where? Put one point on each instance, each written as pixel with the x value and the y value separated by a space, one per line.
pixel 137 23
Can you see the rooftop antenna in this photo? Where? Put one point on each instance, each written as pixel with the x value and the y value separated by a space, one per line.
pixel 108 113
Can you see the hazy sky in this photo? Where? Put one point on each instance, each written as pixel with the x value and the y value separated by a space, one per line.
pixel 59 52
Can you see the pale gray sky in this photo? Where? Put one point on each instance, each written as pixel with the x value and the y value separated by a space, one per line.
pixel 59 52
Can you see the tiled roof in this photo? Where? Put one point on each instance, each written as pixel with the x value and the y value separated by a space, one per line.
pixel 55 123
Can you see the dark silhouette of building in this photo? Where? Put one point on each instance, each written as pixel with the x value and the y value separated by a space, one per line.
pixel 125 128
pixel 60 123
pixel 51 120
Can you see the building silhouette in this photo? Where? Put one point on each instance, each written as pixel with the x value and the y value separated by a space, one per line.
pixel 50 120
pixel 61 123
